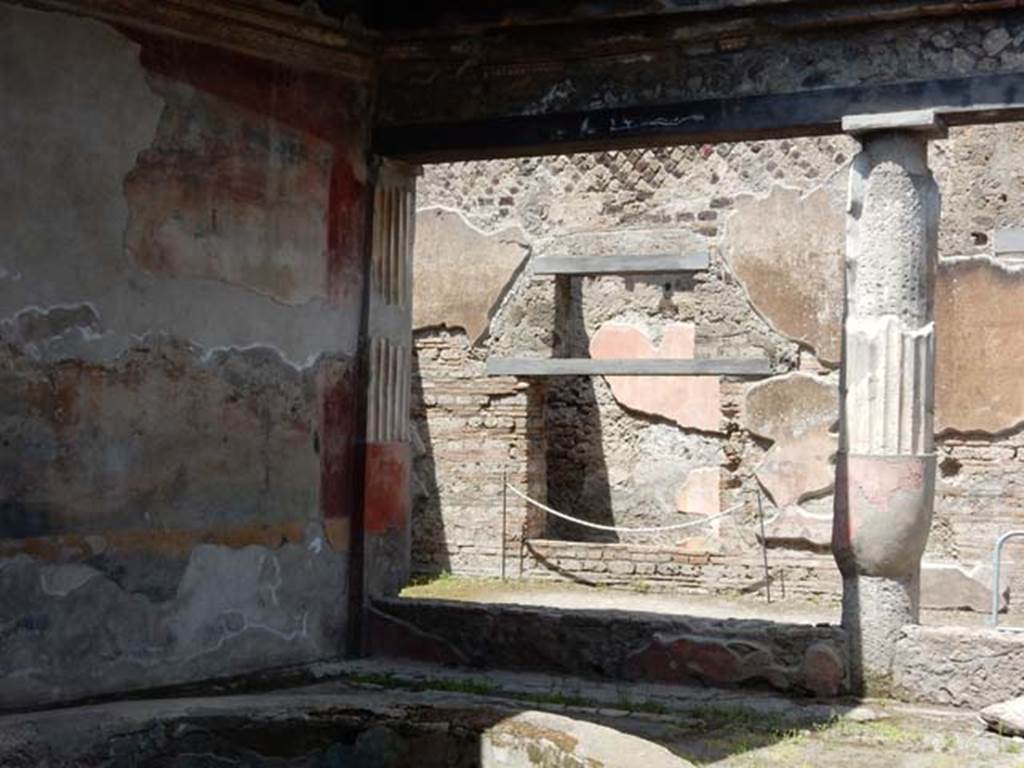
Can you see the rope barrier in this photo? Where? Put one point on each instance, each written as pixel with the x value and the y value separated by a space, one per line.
pixel 618 529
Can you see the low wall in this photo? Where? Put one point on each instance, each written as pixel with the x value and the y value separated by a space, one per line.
pixel 614 644
pixel 958 666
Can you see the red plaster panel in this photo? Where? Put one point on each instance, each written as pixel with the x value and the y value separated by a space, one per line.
pixel 277 152
pixel 346 227
pixel 225 194
pixel 337 386
pixel 330 108
pixel 388 471
pixel 686 659
pixel 256 176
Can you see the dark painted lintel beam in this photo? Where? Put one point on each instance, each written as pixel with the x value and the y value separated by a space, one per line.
pixel 960 101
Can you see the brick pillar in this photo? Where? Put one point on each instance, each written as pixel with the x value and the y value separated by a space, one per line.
pixel 885 475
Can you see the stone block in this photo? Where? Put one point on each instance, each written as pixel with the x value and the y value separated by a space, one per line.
pixel 951 587
pixel 621 243
pixel 796 411
pixel 979 354
pixel 796 527
pixel 787 249
pixel 919 120
pixel 1005 718
pixel 545 739
pixel 486 265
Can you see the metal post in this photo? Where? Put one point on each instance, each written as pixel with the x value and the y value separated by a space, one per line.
pixel 504 519
pixel 996 557
pixel 764 550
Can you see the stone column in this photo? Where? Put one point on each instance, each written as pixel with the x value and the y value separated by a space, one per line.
pixel 885 474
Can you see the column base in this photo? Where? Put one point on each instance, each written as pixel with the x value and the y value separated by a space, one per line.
pixel 875 609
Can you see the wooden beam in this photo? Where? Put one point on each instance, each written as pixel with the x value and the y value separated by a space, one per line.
pixel 461 17
pixel 621 265
pixel 1008 240
pixel 569 366
pixel 273 31
pixel 958 101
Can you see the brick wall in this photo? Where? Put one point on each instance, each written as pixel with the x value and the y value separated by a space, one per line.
pixel 471 432
pixel 677 568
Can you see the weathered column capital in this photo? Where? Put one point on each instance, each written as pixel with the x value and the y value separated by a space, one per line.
pixel 926 123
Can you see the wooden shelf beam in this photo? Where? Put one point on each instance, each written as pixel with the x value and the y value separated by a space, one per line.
pixel 582 366
pixel 621 265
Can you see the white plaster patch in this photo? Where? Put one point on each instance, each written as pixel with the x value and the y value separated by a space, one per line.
pixel 210 352
pixel 556 95
pixel 62 580
pixel 248 581
pixel 98 544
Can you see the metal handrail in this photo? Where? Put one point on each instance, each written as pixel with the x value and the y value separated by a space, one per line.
pixel 996 555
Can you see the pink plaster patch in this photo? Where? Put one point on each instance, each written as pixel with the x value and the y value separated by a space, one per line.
pixel 689 401
pixel 879 480
pixel 883 511
pixel 699 494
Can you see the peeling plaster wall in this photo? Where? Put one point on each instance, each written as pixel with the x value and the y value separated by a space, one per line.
pixel 772 215
pixel 180 282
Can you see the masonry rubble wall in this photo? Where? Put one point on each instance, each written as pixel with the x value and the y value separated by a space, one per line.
pixel 772 216
pixel 180 295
